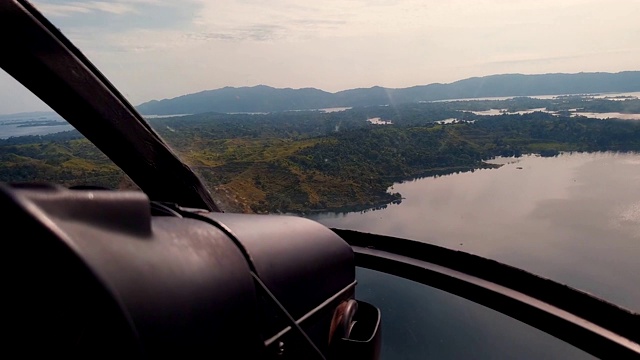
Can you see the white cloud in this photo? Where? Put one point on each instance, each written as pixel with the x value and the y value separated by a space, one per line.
pixel 113 8
pixel 85 7
pixel 338 44
pixel 52 10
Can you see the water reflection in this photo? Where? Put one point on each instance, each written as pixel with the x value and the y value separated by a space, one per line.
pixel 574 218
pixel 420 322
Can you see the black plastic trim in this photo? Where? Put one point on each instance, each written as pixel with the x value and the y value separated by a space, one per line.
pixel 591 324
pixel 37 55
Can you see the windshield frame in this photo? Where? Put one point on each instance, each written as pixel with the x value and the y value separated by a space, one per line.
pixel 67 81
pixel 57 72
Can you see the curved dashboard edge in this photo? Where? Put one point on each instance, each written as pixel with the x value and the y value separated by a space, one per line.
pixel 559 310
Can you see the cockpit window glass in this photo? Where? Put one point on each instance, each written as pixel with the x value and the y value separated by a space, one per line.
pixel 508 129
pixel 40 146
pixel 421 322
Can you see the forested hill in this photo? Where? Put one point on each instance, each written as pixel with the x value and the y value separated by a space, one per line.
pixel 315 161
pixel 267 99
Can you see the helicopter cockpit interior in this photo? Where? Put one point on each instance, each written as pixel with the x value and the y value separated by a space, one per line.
pixel 163 272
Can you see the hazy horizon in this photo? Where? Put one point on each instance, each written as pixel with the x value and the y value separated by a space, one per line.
pixel 408 86
pixel 158 49
pixel 44 108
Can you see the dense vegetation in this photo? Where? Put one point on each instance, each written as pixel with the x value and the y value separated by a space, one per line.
pixel 317 161
pixel 63 158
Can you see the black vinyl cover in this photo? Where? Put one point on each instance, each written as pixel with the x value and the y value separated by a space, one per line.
pixel 308 268
pixel 92 274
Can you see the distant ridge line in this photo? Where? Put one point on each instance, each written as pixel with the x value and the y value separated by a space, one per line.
pixel 263 98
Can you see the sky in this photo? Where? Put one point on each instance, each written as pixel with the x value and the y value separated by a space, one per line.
pixel 156 49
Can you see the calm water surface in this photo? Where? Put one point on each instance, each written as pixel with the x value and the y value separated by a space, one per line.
pixel 574 218
pixel 7 131
pixel 13 125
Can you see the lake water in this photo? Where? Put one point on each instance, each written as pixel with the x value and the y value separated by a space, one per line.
pixel 7 131
pixel 574 113
pixel 608 96
pixel 379 121
pixel 609 115
pixel 574 218
pixel 24 124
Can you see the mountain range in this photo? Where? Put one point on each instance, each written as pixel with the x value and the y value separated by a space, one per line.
pixel 263 98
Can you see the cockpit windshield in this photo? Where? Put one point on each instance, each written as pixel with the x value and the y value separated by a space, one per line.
pixel 507 129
